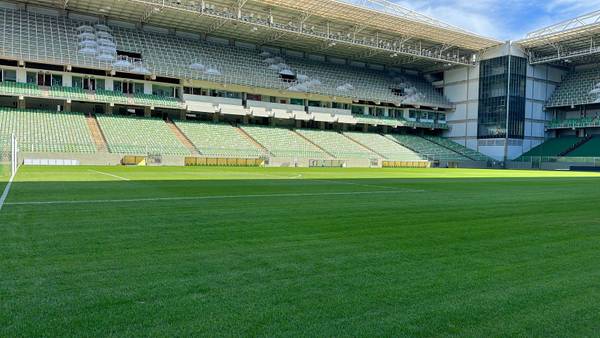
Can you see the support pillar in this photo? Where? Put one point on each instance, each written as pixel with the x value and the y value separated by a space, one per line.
pixel 21 102
pixel 298 124
pixel 109 109
pixel 245 119
pixel 67 106
pixel 147 112
pixel 215 117
pixel 182 115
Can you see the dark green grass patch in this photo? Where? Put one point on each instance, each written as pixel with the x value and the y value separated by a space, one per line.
pixel 299 252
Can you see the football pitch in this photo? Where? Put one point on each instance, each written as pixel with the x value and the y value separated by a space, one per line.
pixel 133 251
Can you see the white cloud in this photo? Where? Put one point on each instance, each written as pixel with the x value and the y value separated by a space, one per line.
pixel 501 19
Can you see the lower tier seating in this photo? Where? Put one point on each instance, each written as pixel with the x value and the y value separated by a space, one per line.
pixel 336 144
pixel 467 152
pixel 553 147
pixel 219 140
pixel 389 149
pixel 590 148
pixel 139 136
pixel 427 149
pixel 283 142
pixel 47 131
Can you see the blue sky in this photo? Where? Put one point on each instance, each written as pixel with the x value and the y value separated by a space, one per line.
pixel 502 19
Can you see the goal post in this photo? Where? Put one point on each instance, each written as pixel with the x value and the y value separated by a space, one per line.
pixel 9 159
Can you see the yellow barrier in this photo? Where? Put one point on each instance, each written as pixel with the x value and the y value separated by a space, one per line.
pixel 133 160
pixel 406 164
pixel 224 162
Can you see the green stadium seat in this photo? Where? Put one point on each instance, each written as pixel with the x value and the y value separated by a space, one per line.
pixel 139 136
pixel 219 140
pixel 47 131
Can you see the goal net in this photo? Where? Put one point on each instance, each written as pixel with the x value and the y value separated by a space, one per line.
pixel 8 157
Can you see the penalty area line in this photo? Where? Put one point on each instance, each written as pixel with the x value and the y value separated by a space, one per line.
pixel 215 197
pixel 6 191
pixel 111 175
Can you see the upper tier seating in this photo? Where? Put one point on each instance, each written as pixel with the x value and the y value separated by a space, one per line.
pixel 37 37
pixel 590 148
pixel 219 140
pixel 156 100
pixel 283 142
pixel 336 144
pixel 387 148
pixel 110 96
pixel 68 92
pixel 467 152
pixel 18 88
pixel 576 89
pixel 427 149
pixel 139 136
pixel 47 131
pixel 553 147
pixel 584 122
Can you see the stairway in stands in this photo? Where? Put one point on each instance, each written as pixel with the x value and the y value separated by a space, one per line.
pixel 364 145
pixel 576 145
pixel 181 137
pixel 251 139
pixel 313 143
pixel 96 133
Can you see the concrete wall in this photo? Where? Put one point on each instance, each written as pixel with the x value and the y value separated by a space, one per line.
pixel 461 86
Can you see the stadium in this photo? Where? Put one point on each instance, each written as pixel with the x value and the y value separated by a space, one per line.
pixel 294 168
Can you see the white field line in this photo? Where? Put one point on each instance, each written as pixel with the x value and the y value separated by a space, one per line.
pixel 343 182
pixel 6 191
pixel 111 175
pixel 215 197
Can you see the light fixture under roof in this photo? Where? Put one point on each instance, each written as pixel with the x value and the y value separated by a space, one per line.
pixel 122 63
pixel 197 66
pixel 212 71
pixel 105 57
pixel 88 51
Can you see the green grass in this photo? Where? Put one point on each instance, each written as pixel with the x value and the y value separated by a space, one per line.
pixel 300 252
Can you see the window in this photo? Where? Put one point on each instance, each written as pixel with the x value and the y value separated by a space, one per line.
pixel 118 86
pixel 56 80
pixel 9 75
pixel 499 97
pixel 100 84
pixel 77 82
pixel 138 88
pixel 31 77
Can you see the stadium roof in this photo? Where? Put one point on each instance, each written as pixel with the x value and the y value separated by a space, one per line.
pixel 375 31
pixel 573 41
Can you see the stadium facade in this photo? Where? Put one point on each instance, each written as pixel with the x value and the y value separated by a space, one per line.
pixel 349 67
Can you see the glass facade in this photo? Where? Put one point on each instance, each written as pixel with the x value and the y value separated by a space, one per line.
pixel 495 93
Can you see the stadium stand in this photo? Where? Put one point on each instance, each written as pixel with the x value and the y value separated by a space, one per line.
pixel 585 122
pixel 18 88
pixel 220 63
pixel 46 131
pixel 591 148
pixel 283 142
pixel 553 147
pixel 68 92
pixel 110 96
pixel 427 149
pixel 156 100
pixel 218 139
pixel 139 136
pixel 467 152
pixel 387 148
pixel 577 89
pixel 336 144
